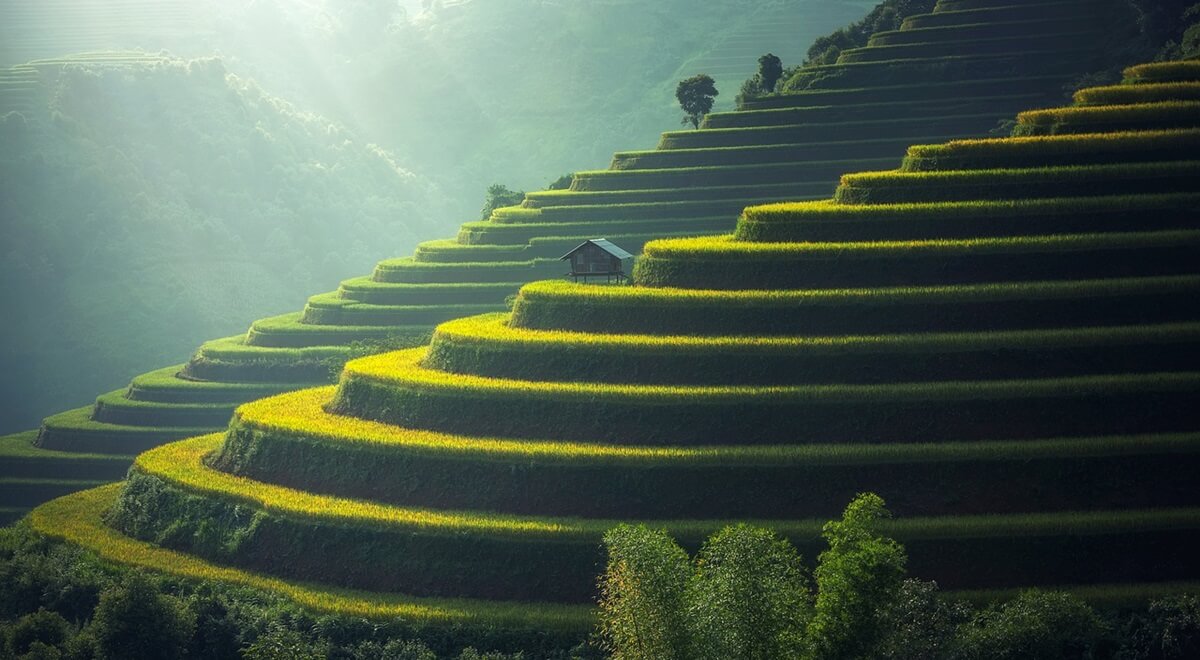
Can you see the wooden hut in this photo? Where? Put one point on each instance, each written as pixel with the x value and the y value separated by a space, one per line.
pixel 598 258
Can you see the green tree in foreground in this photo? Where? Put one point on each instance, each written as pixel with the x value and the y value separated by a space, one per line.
pixel 746 594
pixel 696 96
pixel 641 595
pixel 134 620
pixel 859 572
pixel 748 597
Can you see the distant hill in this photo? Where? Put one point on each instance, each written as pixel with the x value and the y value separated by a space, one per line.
pixel 149 203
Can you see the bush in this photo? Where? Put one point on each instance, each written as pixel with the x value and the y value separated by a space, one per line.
pixel 43 628
pixel 499 196
pixel 748 597
pixel 642 615
pixel 134 620
pixel 887 15
pixel 1170 630
pixel 857 579
pixel 1036 625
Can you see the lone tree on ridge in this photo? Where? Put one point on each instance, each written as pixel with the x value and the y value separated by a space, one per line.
pixel 696 98
pixel 770 70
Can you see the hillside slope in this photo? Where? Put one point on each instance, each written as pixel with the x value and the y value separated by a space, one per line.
pixel 785 147
pixel 999 337
pixel 150 202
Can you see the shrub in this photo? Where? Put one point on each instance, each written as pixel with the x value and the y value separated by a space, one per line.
pixel 857 577
pixel 44 628
pixel 1036 625
pixel 642 614
pixel 134 620
pixel 920 623
pixel 1170 630
pixel 748 597
pixel 499 196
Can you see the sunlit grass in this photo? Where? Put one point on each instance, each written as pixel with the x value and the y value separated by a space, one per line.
pixel 558 291
pixel 77 519
pixel 726 247
pixel 1188 70
pixel 403 369
pixel 1131 94
pixel 301 417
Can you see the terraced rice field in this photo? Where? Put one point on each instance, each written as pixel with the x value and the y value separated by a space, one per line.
pixel 52 28
pixel 791 146
pixel 1021 391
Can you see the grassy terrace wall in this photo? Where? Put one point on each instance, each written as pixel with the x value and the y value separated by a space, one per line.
pixel 785 147
pixel 1028 413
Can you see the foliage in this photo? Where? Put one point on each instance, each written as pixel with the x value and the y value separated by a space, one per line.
pixel 770 70
pixel 1034 626
pixel 887 15
pixel 919 623
pixel 562 183
pixel 1168 630
pixel 642 611
pixel 856 578
pixel 232 619
pixel 695 96
pixel 747 597
pixel 133 620
pixel 499 196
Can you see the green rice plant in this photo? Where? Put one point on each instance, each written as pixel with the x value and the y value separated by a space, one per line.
pixel 233 360
pixel 329 309
pixel 720 262
pixel 976 45
pixel 287 331
pixel 866 110
pixel 27 493
pixel 1103 118
pixel 75 431
pixel 1019 183
pixel 829 221
pixel 567 235
pixel 78 519
pixel 452 251
pixel 868 137
pixel 551 198
pixel 292 440
pixel 565 215
pixel 19 458
pixel 408 271
pixel 922 88
pixel 819 175
pixel 166 386
pixel 117 408
pixel 367 290
pixel 396 388
pixel 990 29
pixel 1054 150
pixel 1042 62
pixel 178 487
pixel 488 346
pixel 556 305
pixel 1156 72
pixel 1138 94
pixel 949 13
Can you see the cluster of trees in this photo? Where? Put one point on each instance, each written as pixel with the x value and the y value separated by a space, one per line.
pixel 60 603
pixel 747 595
pixel 887 15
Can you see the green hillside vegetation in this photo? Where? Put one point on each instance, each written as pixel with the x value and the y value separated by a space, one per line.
pixel 152 202
pixel 1021 394
pixel 695 182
